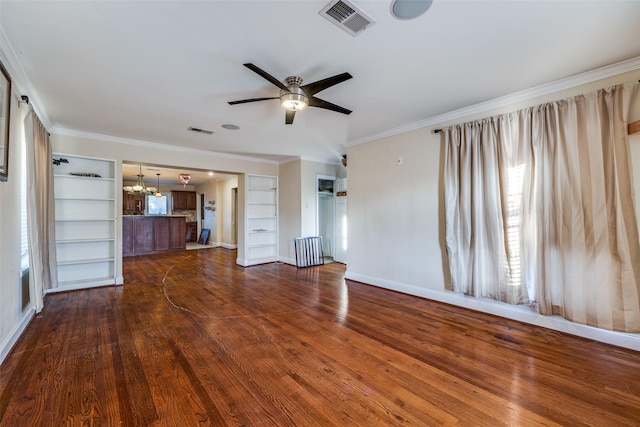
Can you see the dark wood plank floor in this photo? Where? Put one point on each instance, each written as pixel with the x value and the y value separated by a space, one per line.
pixel 192 339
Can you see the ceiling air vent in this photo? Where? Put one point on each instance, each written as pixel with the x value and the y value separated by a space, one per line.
pixel 198 130
pixel 347 16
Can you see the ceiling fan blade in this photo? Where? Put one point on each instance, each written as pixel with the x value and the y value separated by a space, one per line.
pixel 266 76
pixel 315 87
pixel 320 103
pixel 244 101
pixel 288 118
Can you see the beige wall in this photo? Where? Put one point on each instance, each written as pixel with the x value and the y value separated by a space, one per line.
pixel 395 213
pixel 298 198
pixel 289 202
pixel 224 212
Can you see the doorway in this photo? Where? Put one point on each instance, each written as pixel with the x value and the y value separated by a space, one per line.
pixel 325 224
pixel 234 215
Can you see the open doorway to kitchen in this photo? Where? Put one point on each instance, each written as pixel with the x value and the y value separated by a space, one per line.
pixel 191 195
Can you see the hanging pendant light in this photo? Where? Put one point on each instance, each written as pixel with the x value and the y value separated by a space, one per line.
pixel 158 193
pixel 139 188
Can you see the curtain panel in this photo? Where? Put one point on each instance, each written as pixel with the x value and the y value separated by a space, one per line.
pixel 539 209
pixel 40 209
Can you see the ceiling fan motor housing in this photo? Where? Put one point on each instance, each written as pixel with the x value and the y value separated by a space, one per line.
pixel 294 98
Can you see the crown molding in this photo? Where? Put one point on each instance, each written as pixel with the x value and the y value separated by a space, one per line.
pixel 612 70
pixel 19 80
pixel 154 145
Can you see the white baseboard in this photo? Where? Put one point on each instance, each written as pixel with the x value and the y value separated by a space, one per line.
pixel 84 285
pixel 286 260
pixel 13 337
pixel 520 313
pixel 227 245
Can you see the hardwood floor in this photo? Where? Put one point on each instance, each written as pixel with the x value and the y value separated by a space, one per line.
pixel 192 339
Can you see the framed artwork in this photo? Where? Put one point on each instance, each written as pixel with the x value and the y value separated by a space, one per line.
pixel 5 104
pixel 204 235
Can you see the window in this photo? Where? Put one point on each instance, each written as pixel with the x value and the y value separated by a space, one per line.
pixel 24 237
pixel 514 208
pixel 157 205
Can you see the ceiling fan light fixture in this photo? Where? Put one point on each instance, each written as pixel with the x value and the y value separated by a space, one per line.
pixel 294 101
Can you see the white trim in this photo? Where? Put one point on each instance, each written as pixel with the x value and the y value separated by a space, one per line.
pixel 153 145
pixel 227 245
pixel 83 285
pixel 13 337
pixel 519 313
pixel 287 260
pixel 333 162
pixel 503 101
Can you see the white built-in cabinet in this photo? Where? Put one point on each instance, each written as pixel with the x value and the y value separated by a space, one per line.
pixel 86 219
pixel 261 226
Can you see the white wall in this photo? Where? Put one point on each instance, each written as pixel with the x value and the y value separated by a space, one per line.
pixel 396 217
pixel 13 319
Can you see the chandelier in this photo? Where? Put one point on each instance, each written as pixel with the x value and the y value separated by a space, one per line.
pixel 139 188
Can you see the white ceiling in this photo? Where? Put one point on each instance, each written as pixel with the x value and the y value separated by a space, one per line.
pixel 168 175
pixel 147 70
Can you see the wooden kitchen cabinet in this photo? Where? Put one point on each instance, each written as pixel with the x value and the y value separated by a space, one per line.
pixel 183 200
pixel 149 234
pixel 192 231
pixel 177 233
pixel 133 203
pixel 127 236
pixel 161 230
pixel 143 234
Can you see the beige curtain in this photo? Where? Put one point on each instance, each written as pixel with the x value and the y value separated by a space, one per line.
pixel 539 209
pixel 481 205
pixel 40 209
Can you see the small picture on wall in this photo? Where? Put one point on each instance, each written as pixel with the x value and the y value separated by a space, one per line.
pixel 5 104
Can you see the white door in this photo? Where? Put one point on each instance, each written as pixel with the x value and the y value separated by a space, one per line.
pixel 340 191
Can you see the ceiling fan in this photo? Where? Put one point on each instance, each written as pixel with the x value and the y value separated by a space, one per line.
pixel 294 97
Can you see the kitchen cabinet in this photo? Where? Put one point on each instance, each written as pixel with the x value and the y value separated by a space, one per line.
pixel 192 231
pixel 85 222
pixel 143 234
pixel 183 200
pixel 161 232
pixel 148 234
pixel 177 232
pixel 133 203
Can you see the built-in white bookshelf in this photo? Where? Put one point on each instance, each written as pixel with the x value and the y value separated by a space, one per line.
pixel 86 218
pixel 261 226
